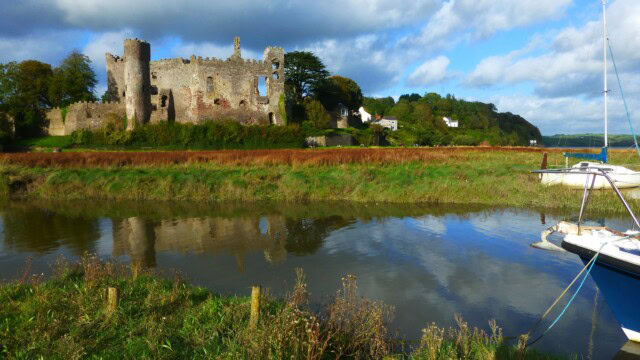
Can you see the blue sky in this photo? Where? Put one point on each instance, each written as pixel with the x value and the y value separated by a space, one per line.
pixel 541 59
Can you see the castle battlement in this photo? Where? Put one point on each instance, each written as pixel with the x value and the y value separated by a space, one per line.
pixel 113 58
pixel 135 40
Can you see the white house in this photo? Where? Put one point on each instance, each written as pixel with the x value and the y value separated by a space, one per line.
pixel 388 122
pixel 449 122
pixel 364 115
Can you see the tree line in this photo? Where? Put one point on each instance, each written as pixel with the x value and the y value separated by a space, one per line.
pixel 29 88
pixel 420 121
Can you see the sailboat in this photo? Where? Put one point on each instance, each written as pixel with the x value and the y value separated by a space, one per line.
pixel 611 258
pixel 622 176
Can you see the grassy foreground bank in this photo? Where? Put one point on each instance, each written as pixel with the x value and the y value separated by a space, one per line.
pixel 487 176
pixel 66 317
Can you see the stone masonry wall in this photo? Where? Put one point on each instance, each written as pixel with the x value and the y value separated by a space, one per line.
pixel 83 115
pixel 196 89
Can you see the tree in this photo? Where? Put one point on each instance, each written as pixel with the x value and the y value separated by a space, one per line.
pixel 317 114
pixel 380 106
pixel 339 89
pixel 402 110
pixel 74 80
pixel 23 95
pixel 304 74
pixel 412 97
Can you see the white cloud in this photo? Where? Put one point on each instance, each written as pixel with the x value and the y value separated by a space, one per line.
pixel 572 62
pixel 477 19
pixel 108 42
pixel 567 115
pixel 430 72
pixel 369 60
pixel 50 47
pixel 262 23
pixel 207 49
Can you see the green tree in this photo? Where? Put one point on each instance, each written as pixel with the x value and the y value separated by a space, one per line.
pixel 74 80
pixel 339 89
pixel 317 114
pixel 23 95
pixel 410 97
pixel 304 74
pixel 402 110
pixel 380 106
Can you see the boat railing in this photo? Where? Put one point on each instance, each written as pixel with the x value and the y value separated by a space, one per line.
pixel 590 179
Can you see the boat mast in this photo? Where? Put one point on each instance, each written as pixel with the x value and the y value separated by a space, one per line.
pixel 604 30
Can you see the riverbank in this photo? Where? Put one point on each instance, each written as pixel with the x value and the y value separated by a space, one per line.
pixel 68 316
pixel 456 175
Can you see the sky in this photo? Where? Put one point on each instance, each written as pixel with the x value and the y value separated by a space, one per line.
pixel 541 59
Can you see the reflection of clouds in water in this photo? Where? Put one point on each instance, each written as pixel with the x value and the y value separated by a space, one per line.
pixel 516 226
pixel 441 277
pixel 429 224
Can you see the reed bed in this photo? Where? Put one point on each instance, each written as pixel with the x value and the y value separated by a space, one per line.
pixel 311 157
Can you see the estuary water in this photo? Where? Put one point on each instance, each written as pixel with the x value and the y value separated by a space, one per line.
pixel 429 261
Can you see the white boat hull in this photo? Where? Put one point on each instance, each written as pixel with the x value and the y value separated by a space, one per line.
pixel 632 335
pixel 623 178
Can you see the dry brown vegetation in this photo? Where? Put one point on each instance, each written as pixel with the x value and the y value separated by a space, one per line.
pixel 254 157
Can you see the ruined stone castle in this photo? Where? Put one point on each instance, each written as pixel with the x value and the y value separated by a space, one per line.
pixel 182 90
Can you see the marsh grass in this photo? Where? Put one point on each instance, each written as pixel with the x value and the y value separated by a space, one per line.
pixel 483 176
pixel 65 317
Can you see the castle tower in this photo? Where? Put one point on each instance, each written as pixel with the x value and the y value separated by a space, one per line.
pixel 137 55
pixel 236 48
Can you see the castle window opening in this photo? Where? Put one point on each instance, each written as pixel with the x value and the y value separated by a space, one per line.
pixel 243 104
pixel 217 102
pixel 275 76
pixel 271 119
pixel 262 85
pixel 209 84
pixel 163 101
pixel 275 64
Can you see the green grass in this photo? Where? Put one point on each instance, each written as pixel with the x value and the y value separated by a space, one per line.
pixel 48 142
pixel 67 317
pixel 492 178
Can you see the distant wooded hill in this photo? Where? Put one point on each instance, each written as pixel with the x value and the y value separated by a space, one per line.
pixel 420 121
pixel 587 140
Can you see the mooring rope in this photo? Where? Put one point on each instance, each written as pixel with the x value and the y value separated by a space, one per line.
pixel 589 265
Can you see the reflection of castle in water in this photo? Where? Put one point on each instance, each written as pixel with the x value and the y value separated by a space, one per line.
pixel 141 238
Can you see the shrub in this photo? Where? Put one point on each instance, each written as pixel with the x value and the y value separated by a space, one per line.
pixel 225 134
pixel 317 114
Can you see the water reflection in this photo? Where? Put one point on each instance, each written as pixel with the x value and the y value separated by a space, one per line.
pixel 141 239
pixel 430 262
pixel 33 229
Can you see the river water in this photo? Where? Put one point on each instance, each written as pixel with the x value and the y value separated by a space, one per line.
pixel 429 261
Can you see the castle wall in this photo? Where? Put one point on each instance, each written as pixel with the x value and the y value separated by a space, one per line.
pixel 198 89
pixel 115 75
pixel 83 115
pixel 56 124
pixel 183 90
